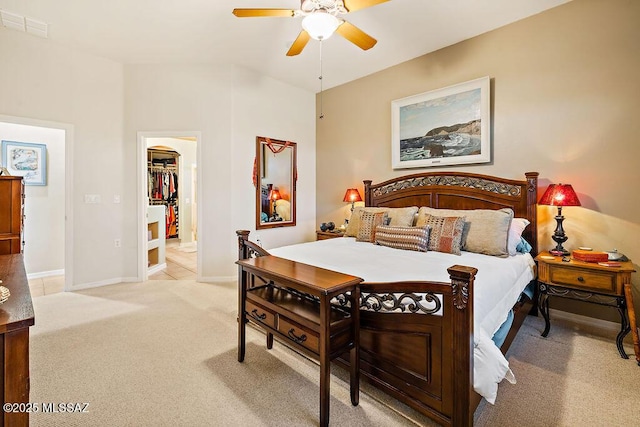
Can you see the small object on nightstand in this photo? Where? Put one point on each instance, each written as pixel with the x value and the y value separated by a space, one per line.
pixel 610 264
pixel 614 255
pixel 589 256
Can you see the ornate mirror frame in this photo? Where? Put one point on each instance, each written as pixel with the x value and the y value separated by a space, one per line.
pixel 275 178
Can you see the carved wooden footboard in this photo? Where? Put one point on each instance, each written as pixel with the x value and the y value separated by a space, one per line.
pixel 422 356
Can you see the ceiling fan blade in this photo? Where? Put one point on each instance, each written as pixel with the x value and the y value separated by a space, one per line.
pixel 299 43
pixel 257 13
pixel 356 36
pixel 353 5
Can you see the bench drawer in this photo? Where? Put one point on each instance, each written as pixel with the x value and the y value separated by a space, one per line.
pixel 299 334
pixel 260 314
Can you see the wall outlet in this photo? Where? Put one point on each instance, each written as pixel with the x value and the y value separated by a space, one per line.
pixel 117 243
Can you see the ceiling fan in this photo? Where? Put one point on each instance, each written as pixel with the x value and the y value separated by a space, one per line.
pixel 320 21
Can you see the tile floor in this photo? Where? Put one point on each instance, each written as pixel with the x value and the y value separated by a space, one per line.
pixel 46 285
pixel 181 265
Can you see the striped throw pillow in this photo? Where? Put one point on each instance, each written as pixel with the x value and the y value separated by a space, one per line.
pixel 407 238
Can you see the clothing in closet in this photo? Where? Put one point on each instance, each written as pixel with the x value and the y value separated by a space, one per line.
pixel 163 184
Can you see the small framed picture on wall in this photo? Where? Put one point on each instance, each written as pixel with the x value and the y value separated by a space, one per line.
pixel 27 160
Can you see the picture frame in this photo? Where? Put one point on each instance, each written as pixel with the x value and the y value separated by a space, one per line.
pixel 443 127
pixel 27 160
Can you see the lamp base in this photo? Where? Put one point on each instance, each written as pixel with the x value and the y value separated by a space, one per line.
pixel 556 252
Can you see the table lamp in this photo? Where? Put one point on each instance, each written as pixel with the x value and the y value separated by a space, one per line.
pixel 274 195
pixel 352 195
pixel 559 195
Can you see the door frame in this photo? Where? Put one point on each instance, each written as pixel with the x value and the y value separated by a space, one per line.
pixel 143 255
pixel 68 185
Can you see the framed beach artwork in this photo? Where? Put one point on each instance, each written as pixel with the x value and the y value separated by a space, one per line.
pixel 26 160
pixel 448 126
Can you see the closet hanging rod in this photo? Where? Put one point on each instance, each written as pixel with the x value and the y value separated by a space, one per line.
pixel 163 168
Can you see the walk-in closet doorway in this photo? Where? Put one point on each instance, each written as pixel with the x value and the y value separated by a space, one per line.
pixel 169 212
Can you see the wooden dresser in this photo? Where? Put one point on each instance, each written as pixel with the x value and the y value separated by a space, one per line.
pixel 11 219
pixel 16 316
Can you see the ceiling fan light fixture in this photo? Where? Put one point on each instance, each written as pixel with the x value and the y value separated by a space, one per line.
pixel 320 25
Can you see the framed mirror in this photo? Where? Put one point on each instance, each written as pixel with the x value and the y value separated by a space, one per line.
pixel 275 183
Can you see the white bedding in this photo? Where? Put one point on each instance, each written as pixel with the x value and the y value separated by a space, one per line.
pixel 498 284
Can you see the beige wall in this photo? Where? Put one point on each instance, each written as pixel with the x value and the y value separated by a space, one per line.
pixel 565 101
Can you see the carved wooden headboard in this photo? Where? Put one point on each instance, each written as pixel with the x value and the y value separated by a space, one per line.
pixel 456 190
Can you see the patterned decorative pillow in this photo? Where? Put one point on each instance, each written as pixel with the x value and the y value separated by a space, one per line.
pixel 368 223
pixel 446 233
pixel 402 217
pixel 408 238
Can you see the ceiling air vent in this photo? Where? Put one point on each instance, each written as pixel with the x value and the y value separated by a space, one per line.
pixel 37 28
pixel 20 23
pixel 12 21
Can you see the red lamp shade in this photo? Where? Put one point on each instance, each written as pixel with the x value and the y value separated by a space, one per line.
pixel 274 195
pixel 352 195
pixel 559 195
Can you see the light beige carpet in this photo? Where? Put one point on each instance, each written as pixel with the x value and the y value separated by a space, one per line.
pixel 163 353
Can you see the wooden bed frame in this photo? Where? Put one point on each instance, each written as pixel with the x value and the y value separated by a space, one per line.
pixel 424 360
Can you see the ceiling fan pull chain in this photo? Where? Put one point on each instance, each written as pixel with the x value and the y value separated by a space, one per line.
pixel 321 111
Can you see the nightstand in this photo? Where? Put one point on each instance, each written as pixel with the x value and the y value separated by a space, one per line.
pixel 584 281
pixel 323 235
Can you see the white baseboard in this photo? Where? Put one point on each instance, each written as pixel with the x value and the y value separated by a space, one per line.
pixel 584 320
pixel 42 274
pixel 113 281
pixel 156 268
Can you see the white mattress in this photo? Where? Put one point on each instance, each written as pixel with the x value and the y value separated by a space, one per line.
pixel 499 282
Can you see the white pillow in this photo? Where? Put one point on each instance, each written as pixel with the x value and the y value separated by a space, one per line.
pixel 283 208
pixel 515 233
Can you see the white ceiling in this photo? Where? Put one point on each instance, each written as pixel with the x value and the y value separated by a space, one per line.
pixel 205 32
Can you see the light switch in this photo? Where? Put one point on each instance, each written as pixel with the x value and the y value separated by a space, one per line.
pixel 92 198
pixel 116 198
